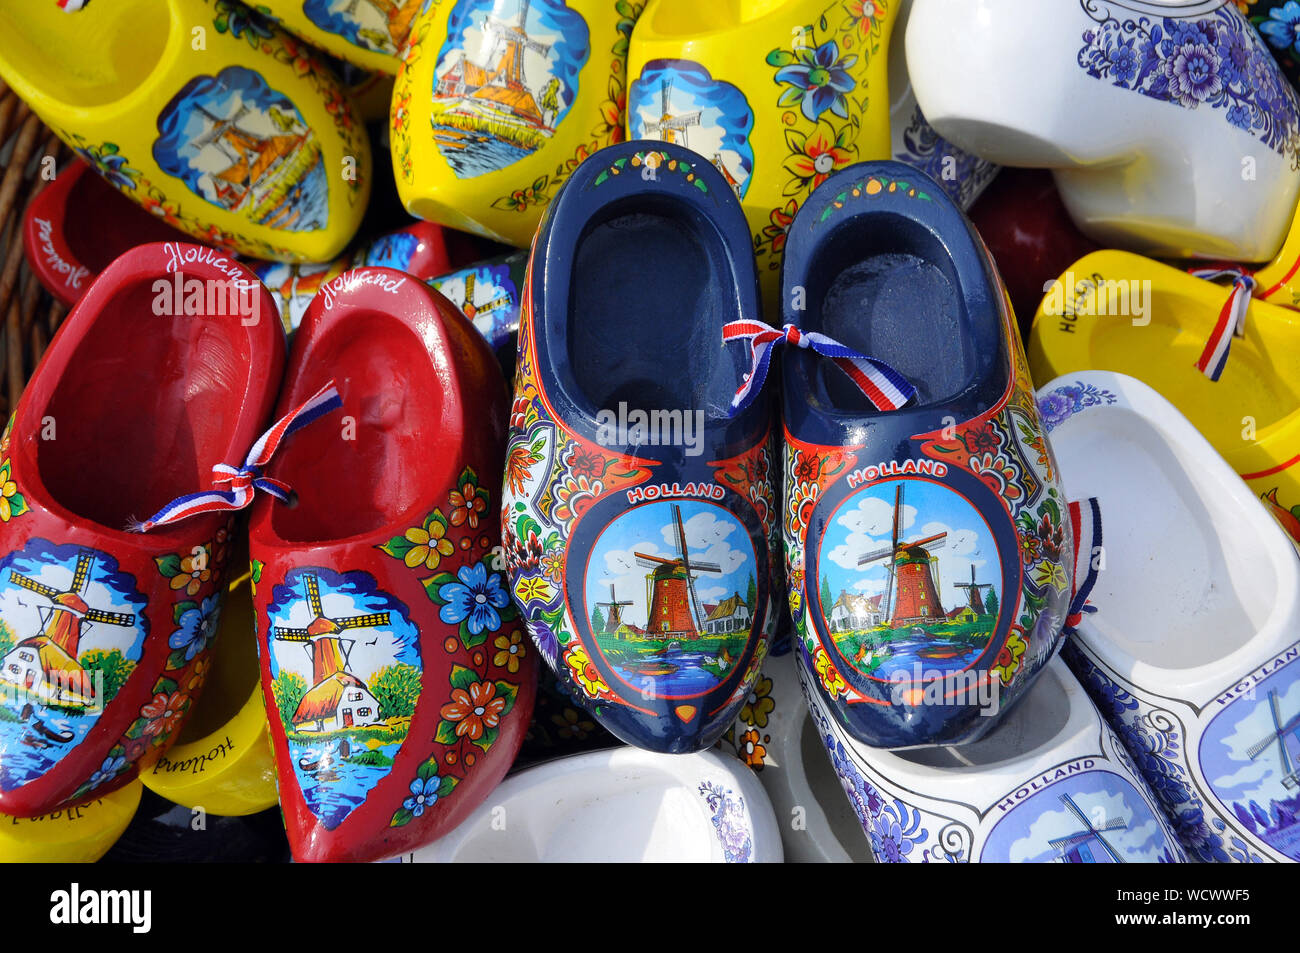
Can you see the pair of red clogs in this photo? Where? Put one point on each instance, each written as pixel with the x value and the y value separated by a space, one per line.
pixel 397 680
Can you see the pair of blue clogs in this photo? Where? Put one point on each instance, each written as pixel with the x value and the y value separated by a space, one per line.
pixel 927 542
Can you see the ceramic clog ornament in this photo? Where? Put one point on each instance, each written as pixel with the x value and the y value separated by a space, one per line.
pixel 365 33
pixel 1170 127
pixel 73 835
pixel 619 806
pixel 418 249
pixel 498 101
pixel 777 738
pixel 488 293
pixel 926 537
pixel 77 225
pixel 1230 363
pixel 203 112
pixel 397 676
pixel 222 760
pixel 639 518
pixel 1049 784
pixel 1206 697
pixel 105 633
pixel 775 93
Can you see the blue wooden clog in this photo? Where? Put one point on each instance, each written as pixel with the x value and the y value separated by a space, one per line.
pixel 927 544
pixel 639 517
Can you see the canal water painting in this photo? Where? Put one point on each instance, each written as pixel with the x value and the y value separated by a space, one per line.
pixel 244 147
pixel 506 76
pixel 678 101
pixel 910 580
pixel 345 667
pixel 670 590
pixel 72 628
pixel 1095 817
pixel 1250 753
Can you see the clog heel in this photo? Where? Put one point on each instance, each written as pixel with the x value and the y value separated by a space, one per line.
pixel 397 677
pixel 498 101
pixel 105 634
pixel 776 119
pixel 204 113
pixel 1230 363
pixel 926 534
pixel 369 35
pixel 1205 695
pixel 639 518
pixel 1049 784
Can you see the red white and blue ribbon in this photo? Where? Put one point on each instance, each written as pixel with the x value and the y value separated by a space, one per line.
pixel 247 479
pixel 885 387
pixel 1232 319
pixel 1085 518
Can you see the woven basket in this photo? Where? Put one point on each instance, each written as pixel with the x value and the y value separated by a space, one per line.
pixel 29 316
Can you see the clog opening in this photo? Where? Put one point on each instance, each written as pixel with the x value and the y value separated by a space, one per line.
pixel 378 461
pixel 87 58
pixel 887 286
pixel 233 674
pixel 145 407
pixel 1031 727
pixel 826 784
pixel 1184 580
pixel 647 300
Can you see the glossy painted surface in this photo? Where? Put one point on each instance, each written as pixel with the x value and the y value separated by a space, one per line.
pixel 95 616
pixel 888 514
pixel 368 34
pixel 397 676
pixel 780 91
pixel 246 141
pixel 489 293
pixel 643 559
pixel 1049 784
pixel 490 115
pixel 1205 699
pixel 1078 328
pixel 1189 90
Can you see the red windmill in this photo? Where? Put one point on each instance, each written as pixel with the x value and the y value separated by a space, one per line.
pixel 910 569
pixel 670 589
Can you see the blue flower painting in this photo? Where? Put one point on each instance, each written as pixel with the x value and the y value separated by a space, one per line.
pixel 680 102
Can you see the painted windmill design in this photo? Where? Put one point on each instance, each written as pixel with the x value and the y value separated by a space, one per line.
pixel 1076 848
pixel 472 310
pixel 975 599
pixel 1278 736
pixel 668 127
pixel 337 698
pixel 615 617
pixel 910 567
pixel 675 611
pixel 46 663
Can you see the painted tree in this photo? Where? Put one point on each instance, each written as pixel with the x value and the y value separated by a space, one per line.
pixel 991 603
pixel 827 599
pixel 597 620
pixel 396 688
pixel 551 98
pixel 7 640
pixel 115 667
pixel 751 595
pixel 288 689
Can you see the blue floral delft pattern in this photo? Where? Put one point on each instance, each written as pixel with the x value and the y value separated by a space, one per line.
pixel 730 822
pixel 961 174
pixel 1061 403
pixel 1219 62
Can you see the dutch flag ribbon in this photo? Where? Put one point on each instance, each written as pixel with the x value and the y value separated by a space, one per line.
pixel 247 479
pixel 885 387
pixel 1085 518
pixel 1232 318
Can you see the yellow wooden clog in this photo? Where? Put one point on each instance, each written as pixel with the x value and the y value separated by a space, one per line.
pixel 1116 311
pixel 1278 282
pixel 367 33
pixel 202 112
pixel 74 835
pixel 778 94
pixel 498 101
pixel 223 761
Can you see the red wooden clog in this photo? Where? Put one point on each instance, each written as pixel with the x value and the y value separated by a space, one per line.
pixel 168 366
pixel 397 675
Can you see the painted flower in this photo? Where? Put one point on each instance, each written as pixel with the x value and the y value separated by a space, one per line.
pixel 429 544
pixel 818 79
pixel 12 502
pixel 164 713
pixel 830 676
pixel 466 505
pixel 553 564
pixel 1123 61
pixel 807 467
pixel 574 496
pixel 998 473
pixel 519 412
pixel 111 165
pixel 474 710
pixel 751 748
pixel 534 589
pixel 198 675
pixel 803 499
pixel 424 793
pixel 1193 74
pixel 866 13
pixel 476 596
pixel 519 463
pixel 510 650
pixel 981 437
pixel 759 703
pixel 545 639
pixel 889 841
pixel 110 768
pixel 1282 28
pixel 571 724
pixel 1009 657
pixel 193 574
pixel 818 155
pixel 198 627
pixel 585 462
pixel 585 672
pixel 1050 573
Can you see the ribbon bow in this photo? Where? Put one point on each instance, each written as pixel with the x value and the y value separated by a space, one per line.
pixel 1085 518
pixel 247 479
pixel 1232 318
pixel 885 387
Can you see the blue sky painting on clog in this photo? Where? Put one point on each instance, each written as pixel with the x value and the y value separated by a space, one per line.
pixel 640 517
pixel 927 547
